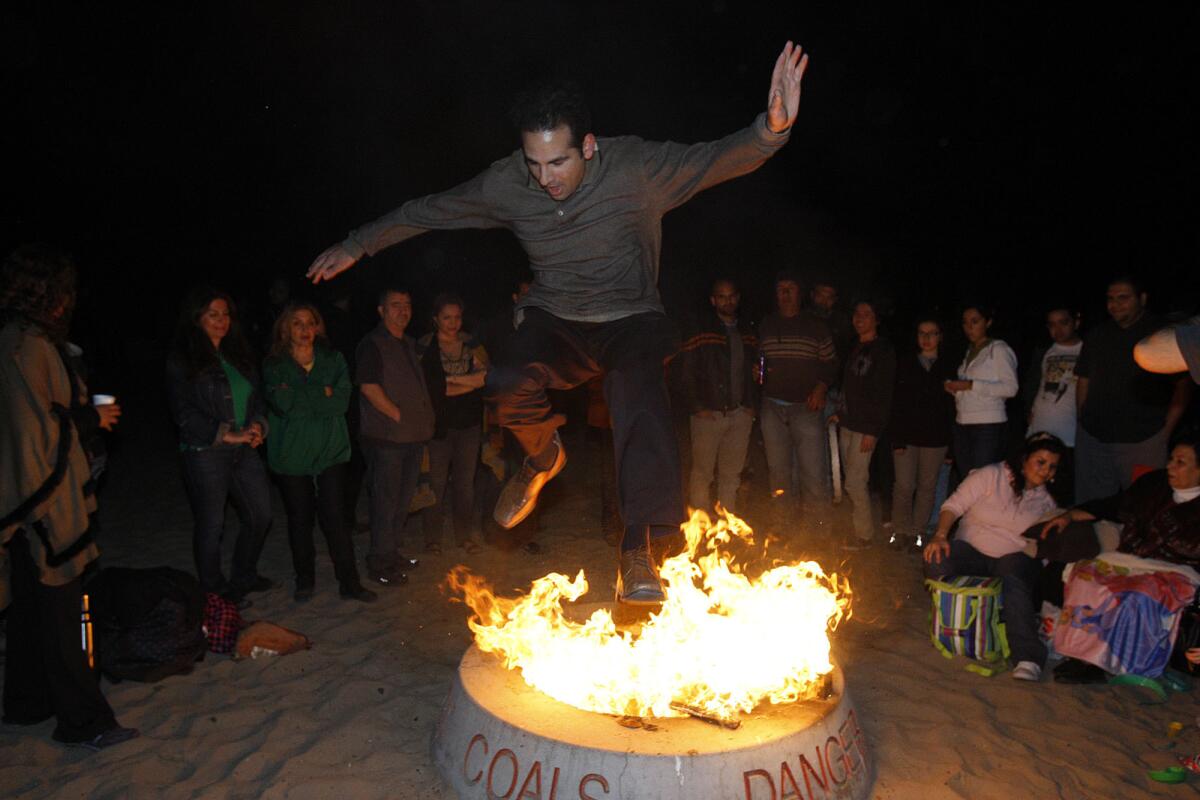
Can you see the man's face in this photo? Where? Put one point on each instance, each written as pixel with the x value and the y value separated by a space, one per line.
pixel 396 312
pixel 1125 305
pixel 725 299
pixel 824 297
pixel 787 297
pixel 865 323
pixel 1061 325
pixel 554 163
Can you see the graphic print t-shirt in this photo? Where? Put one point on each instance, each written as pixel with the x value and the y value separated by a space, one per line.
pixel 1054 405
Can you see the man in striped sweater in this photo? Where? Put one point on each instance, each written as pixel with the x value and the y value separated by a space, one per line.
pixel 800 364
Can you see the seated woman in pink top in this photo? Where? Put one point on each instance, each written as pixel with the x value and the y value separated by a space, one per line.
pixel 996 504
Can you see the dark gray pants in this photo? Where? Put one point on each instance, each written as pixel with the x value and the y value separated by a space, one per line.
pixel 453 460
pixel 392 474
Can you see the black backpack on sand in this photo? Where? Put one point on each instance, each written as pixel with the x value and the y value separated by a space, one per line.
pixel 147 622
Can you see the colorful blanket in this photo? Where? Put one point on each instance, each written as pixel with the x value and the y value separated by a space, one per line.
pixel 1122 620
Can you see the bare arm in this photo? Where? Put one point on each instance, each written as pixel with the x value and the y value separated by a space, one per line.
pixel 375 396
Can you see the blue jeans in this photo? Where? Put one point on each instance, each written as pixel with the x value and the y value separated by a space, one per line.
pixel 977 446
pixel 213 477
pixel 1020 574
pixel 792 425
pixel 392 474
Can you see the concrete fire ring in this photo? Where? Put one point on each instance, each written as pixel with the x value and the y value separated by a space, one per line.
pixel 500 738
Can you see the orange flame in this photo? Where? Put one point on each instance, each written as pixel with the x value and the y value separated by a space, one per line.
pixel 722 642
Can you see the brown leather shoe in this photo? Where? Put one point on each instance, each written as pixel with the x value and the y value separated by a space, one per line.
pixel 637 579
pixel 520 494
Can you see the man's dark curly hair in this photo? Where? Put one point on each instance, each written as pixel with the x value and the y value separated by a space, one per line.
pixel 37 287
pixel 545 106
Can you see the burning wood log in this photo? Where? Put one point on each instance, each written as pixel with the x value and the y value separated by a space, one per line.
pixel 700 713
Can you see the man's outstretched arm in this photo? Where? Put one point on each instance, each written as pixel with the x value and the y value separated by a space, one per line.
pixel 464 206
pixel 679 172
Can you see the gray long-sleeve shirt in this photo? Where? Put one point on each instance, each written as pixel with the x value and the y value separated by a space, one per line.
pixel 595 254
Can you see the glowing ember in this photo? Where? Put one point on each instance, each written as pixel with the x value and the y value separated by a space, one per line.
pixel 722 642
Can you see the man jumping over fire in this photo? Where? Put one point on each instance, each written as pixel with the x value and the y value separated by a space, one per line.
pixel 588 212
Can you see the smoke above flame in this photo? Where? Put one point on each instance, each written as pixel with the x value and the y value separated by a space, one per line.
pixel 723 641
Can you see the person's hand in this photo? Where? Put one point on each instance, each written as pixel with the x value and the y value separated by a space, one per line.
pixel 937 549
pixel 867 444
pixel 704 413
pixel 255 433
pixel 1056 525
pixel 236 437
pixel 329 391
pixel 816 398
pixel 834 419
pixel 330 263
pixel 396 417
pixel 1192 654
pixel 109 414
pixel 783 99
pixel 957 386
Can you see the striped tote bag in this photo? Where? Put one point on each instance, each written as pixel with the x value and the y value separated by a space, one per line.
pixel 965 618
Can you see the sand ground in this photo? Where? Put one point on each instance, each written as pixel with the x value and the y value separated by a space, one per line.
pixel 352 718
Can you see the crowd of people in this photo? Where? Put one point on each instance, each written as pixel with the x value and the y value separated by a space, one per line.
pixel 833 398
pixel 824 392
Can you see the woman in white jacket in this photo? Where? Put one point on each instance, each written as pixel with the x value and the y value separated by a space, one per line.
pixel 987 377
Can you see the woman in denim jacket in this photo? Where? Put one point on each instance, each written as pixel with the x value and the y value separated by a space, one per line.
pixel 213 388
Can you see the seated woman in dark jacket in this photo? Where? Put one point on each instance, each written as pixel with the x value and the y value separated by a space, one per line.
pixel 1159 514
pixel 213 388
pixel 1158 518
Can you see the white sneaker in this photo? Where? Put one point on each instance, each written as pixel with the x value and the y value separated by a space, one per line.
pixel 1027 671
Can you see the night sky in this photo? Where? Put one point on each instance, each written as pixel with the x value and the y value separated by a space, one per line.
pixel 1012 152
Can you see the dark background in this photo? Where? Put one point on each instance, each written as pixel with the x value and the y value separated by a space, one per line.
pixel 1013 152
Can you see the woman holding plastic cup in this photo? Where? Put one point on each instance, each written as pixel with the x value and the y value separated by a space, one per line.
pixel 213 388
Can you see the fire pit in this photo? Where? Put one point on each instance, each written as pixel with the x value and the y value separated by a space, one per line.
pixel 711 697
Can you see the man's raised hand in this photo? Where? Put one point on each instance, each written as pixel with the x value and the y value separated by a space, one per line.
pixel 330 263
pixel 783 100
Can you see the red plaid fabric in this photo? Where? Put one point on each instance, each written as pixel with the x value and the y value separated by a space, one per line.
pixel 221 623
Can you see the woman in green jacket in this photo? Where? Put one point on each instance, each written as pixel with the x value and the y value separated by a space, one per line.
pixel 308 391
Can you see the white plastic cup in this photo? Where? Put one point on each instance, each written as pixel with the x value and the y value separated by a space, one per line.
pixel 103 399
